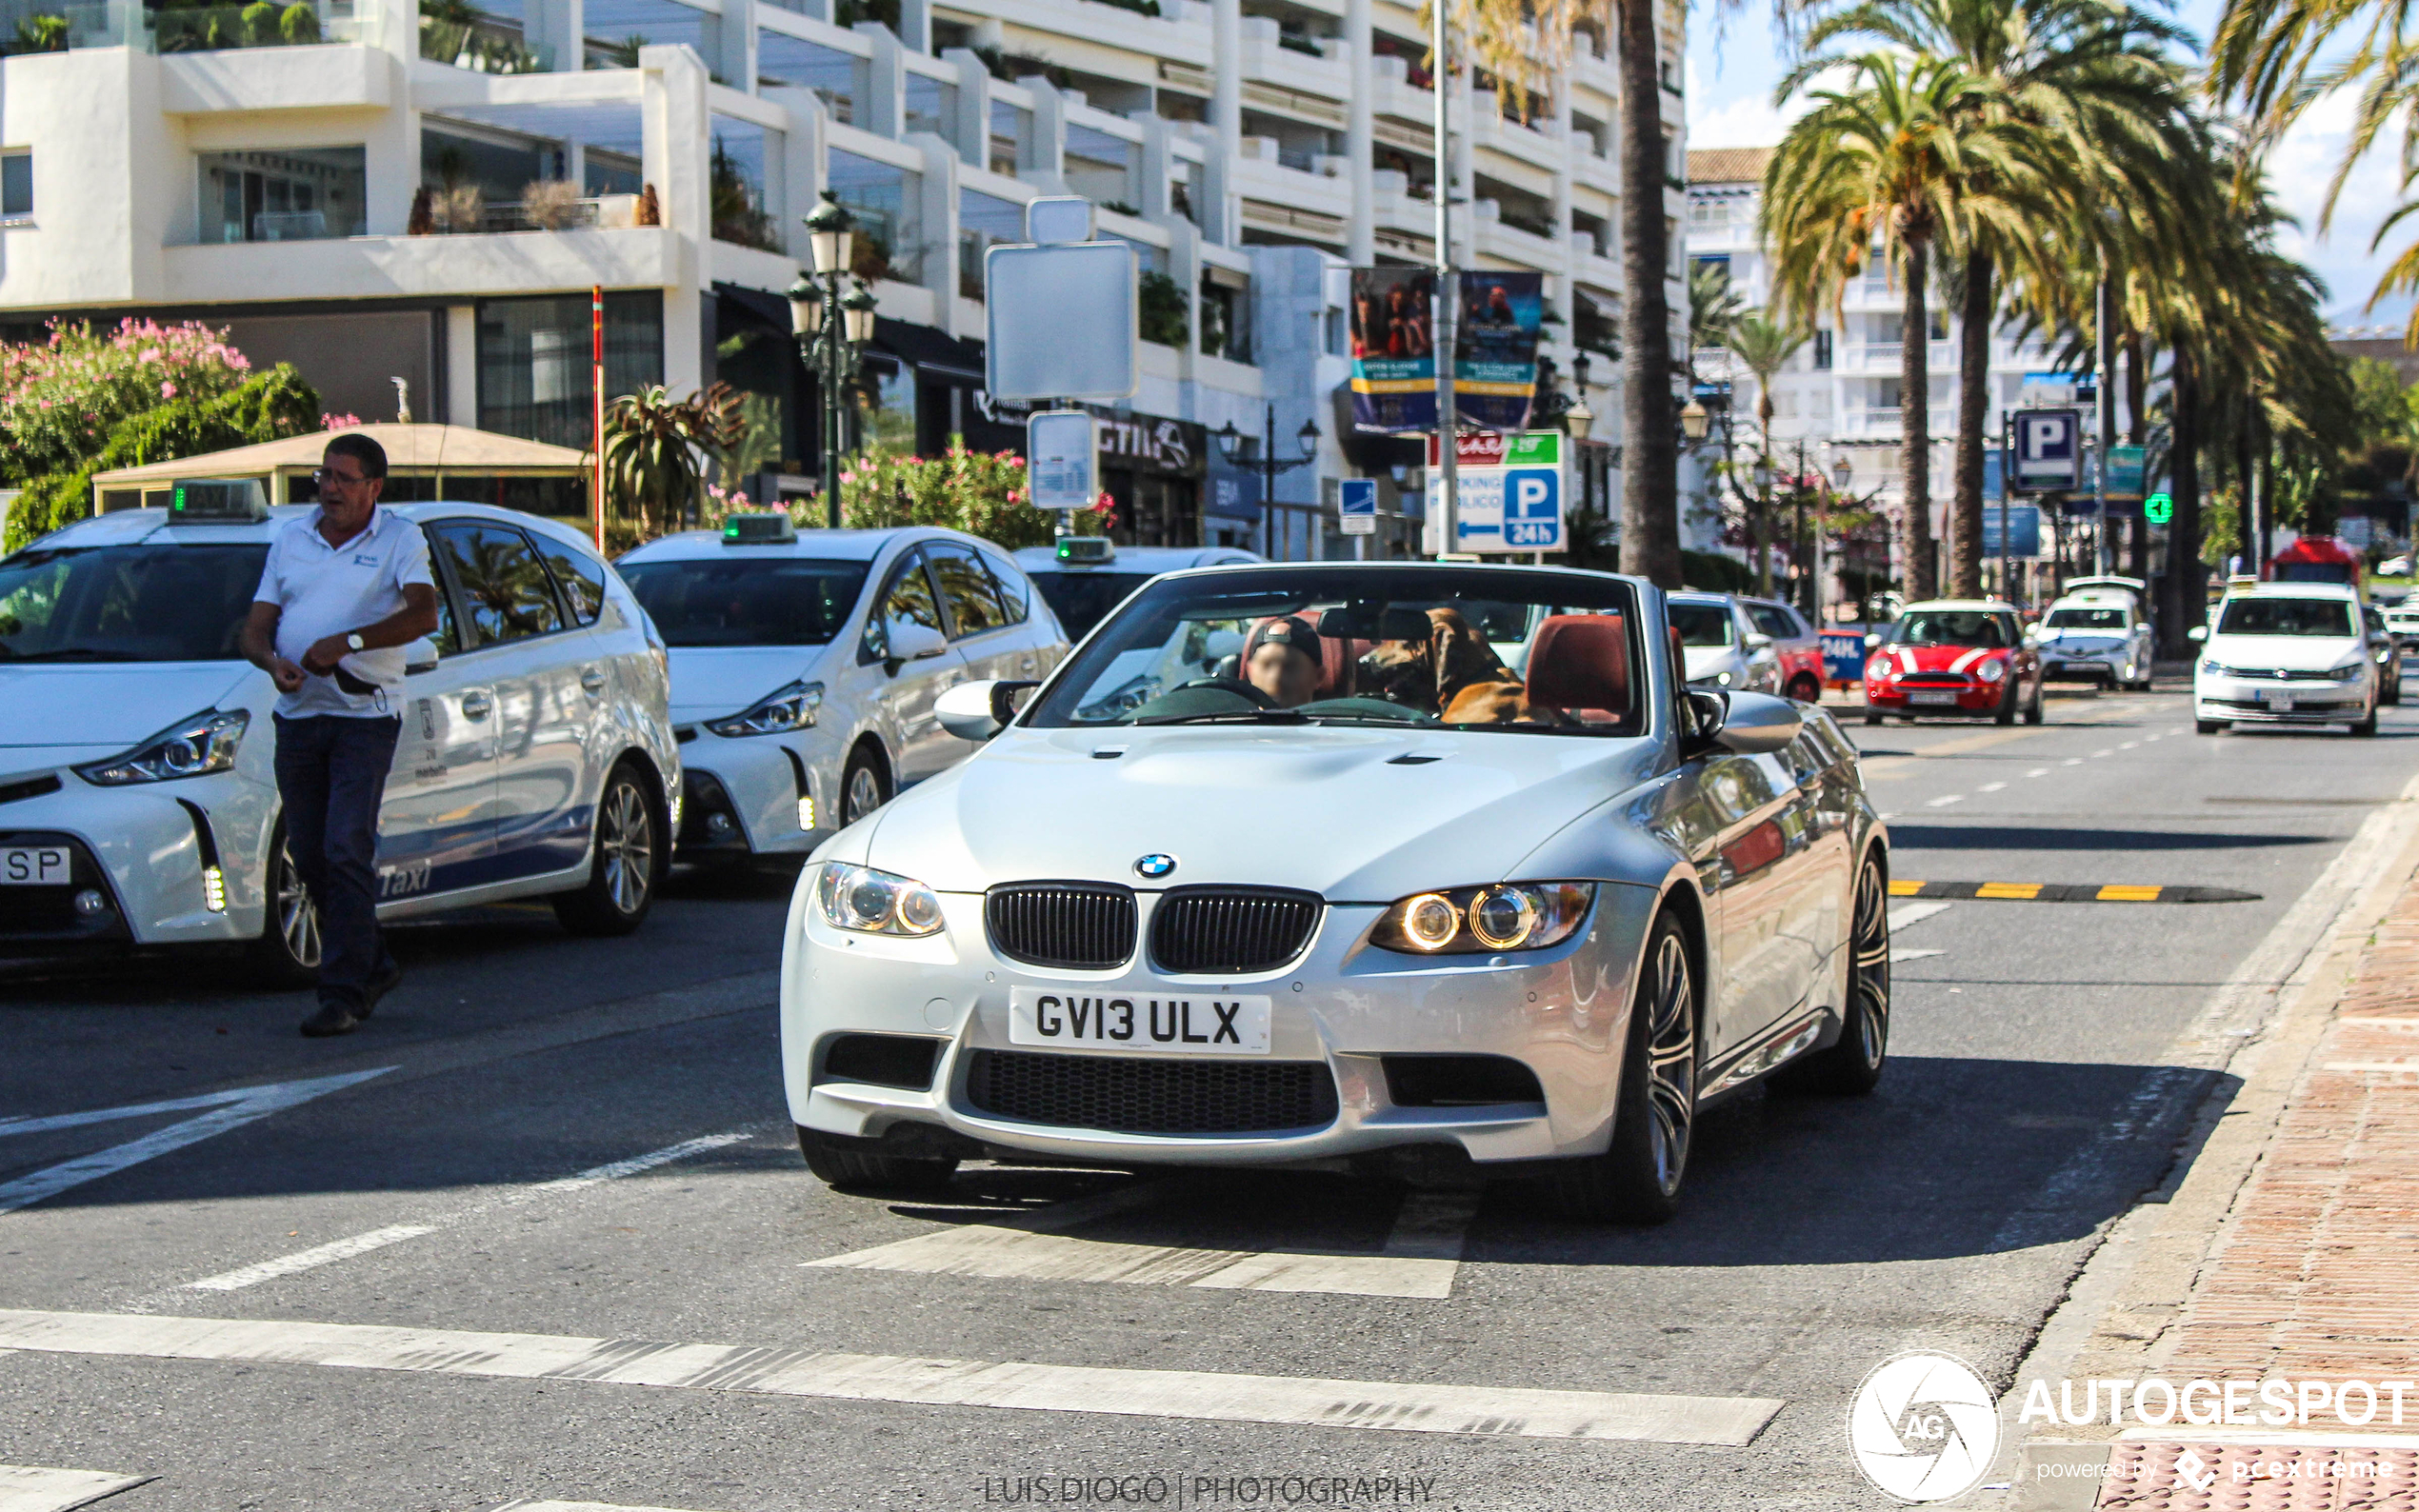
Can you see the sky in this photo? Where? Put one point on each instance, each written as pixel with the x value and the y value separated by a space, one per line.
pixel 1732 74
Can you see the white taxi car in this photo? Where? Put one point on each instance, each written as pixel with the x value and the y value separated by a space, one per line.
pixel 138 802
pixel 2286 653
pixel 2096 635
pixel 803 701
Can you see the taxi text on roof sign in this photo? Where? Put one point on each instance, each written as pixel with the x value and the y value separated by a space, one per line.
pixel 765 527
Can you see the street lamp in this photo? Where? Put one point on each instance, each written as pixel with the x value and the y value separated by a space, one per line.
pixel 1261 451
pixel 831 328
pixel 1694 420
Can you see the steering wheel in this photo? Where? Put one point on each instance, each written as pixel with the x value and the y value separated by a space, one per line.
pixel 1230 685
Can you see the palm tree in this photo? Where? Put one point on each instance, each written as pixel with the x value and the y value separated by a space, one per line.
pixel 1763 345
pixel 655 448
pixel 1889 167
pixel 1714 307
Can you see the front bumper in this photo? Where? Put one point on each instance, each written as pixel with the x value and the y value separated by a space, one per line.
pixel 2096 666
pixel 1341 1006
pixel 2313 702
pixel 753 795
pixel 1976 697
pixel 143 850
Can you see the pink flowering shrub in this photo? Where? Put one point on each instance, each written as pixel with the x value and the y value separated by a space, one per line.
pixel 61 399
pixel 980 492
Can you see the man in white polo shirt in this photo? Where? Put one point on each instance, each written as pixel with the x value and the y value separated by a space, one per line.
pixel 343 591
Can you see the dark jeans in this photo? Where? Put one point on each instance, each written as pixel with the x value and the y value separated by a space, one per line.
pixel 332 772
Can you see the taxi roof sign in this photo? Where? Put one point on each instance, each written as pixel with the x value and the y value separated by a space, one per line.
pixel 759 528
pixel 219 501
pixel 1086 550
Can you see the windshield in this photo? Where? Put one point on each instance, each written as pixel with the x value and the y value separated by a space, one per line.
pixel 127 603
pixel 1952 627
pixel 1702 623
pixel 2087 619
pixel 1455 647
pixel 2266 616
pixel 719 600
pixel 1081 600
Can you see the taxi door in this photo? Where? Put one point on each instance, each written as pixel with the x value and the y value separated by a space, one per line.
pixel 907 686
pixel 436 826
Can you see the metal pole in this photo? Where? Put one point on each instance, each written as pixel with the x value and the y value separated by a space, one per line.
pixel 1268 484
pixel 2104 357
pixel 596 379
pixel 1445 506
pixel 832 334
pixel 2006 486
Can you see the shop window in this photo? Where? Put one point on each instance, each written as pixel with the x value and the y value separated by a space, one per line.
pixel 288 195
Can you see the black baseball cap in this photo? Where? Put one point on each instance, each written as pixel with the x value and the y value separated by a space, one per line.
pixel 1289 631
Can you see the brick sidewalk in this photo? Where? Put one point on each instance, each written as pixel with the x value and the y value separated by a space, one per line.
pixel 2318 1274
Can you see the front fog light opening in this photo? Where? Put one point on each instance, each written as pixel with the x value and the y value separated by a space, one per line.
pixel 806 813
pixel 91 903
pixel 214 889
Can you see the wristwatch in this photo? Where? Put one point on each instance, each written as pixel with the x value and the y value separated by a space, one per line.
pixel 355 642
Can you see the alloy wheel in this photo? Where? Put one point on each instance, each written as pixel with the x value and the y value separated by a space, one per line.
pixel 1869 979
pixel 297 915
pixel 626 838
pixel 864 794
pixel 1672 1058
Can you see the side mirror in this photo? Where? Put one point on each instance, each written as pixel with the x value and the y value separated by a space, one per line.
pixel 2033 630
pixel 1758 641
pixel 1757 722
pixel 981 710
pixel 2198 633
pixel 419 656
pixel 911 642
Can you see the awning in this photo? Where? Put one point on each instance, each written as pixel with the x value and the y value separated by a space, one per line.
pixel 409 448
pixel 931 350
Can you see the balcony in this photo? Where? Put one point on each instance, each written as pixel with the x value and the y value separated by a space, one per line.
pixel 1885 357
pixel 1266 60
pixel 410 266
pixel 1536 146
pixel 41 26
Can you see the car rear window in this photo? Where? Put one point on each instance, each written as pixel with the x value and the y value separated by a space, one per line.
pixel 127 603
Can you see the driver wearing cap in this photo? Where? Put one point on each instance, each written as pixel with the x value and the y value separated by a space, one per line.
pixel 1282 660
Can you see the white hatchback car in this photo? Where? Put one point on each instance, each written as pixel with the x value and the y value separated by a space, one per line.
pixel 138 802
pixel 2096 635
pixel 804 666
pixel 1721 645
pixel 2286 653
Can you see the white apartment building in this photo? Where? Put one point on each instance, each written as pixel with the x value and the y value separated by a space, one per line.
pixel 427 189
pixel 1840 395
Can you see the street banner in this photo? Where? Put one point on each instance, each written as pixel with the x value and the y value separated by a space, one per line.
pixel 1394 348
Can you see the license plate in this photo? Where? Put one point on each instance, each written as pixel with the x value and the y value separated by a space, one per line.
pixel 1940 696
pixel 1184 1024
pixel 34 867
pixel 2276 698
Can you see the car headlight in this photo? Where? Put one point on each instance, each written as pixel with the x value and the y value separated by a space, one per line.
pixel 788 708
pixel 1474 921
pixel 2350 672
pixel 2217 668
pixel 1721 679
pixel 1992 670
pixel 1878 671
pixel 192 748
pixel 872 902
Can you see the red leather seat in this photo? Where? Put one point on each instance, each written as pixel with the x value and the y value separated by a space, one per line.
pixel 1580 664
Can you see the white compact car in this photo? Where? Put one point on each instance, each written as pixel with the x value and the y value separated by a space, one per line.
pixel 804 666
pixel 2096 635
pixel 2286 653
pixel 1084 577
pixel 1214 928
pixel 138 800
pixel 1721 645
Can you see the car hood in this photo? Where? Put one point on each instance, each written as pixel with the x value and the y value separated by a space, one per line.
pixel 111 704
pixel 1331 810
pixel 713 682
pixel 2082 640
pixel 2293 653
pixel 1937 658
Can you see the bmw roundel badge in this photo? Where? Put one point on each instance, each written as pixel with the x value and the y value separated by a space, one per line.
pixel 1155 865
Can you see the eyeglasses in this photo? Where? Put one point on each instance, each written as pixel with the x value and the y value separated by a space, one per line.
pixel 324 476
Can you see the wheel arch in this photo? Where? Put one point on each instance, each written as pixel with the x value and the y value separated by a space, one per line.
pixel 659 804
pixel 1684 902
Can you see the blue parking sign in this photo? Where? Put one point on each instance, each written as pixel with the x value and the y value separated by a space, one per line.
pixel 1356 507
pixel 1533 508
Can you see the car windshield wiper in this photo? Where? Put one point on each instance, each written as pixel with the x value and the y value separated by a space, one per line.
pixel 77 653
pixel 1234 716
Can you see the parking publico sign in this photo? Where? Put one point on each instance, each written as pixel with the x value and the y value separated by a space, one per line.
pixel 1510 494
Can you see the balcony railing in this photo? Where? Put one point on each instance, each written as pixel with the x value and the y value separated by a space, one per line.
pixel 483 45
pixel 47 26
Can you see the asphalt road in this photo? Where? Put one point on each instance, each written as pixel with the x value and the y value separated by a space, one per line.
pixel 565 1141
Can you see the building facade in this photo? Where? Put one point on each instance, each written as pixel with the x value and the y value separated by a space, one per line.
pixel 383 189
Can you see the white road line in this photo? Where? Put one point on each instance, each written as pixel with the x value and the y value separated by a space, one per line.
pixel 2147 739
pixel 1906 913
pixel 1943 803
pixel 1499 1411
pixel 39 1488
pixel 1990 787
pixel 2072 761
pixel 2038 771
pixel 1421 1257
pixel 1897 955
pixel 2097 754
pixel 394 1234
pixel 2129 745
pixel 310 1259
pixel 239 1108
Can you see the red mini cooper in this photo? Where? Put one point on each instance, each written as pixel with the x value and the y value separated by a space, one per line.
pixel 1957 657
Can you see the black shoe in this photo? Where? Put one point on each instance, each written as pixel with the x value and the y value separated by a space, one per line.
pixel 334 1018
pixel 379 985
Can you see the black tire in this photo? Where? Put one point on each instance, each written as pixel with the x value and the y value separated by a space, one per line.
pixel 1872 718
pixel 2369 726
pixel 1853 1067
pixel 286 957
pixel 865 786
pixel 2006 713
pixel 1637 1179
pixel 624 865
pixel 2033 712
pixel 2208 727
pixel 1806 689
pixel 2392 695
pixel 834 1163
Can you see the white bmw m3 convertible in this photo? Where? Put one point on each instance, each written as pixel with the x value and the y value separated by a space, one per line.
pixel 1388 864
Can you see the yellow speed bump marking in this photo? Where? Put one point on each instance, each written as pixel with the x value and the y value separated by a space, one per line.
pixel 2069 891
pixel 1900 887
pixel 2022 891
pixel 2127 892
